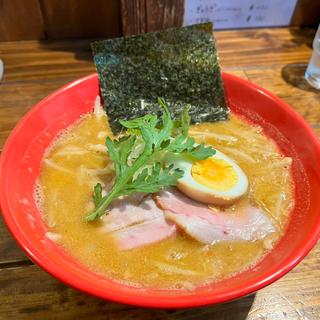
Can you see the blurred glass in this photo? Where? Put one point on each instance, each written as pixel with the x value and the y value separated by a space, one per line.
pixel 312 74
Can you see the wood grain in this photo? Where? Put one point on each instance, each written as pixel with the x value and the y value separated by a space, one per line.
pixel 81 18
pixel 164 14
pixel 46 60
pixel 52 19
pixel 10 252
pixel 293 297
pixel 20 20
pixel 25 94
pixel 302 97
pixel 306 13
pixel 263 49
pixel 140 16
pixel 133 17
pixel 273 58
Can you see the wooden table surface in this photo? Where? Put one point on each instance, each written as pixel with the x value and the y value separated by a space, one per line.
pixel 272 58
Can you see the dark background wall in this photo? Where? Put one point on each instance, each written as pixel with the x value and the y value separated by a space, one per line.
pixel 65 19
pixel 59 19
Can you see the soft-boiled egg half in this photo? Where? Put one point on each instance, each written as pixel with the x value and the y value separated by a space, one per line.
pixel 215 180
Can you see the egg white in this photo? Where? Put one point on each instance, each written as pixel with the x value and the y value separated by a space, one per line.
pixel 197 191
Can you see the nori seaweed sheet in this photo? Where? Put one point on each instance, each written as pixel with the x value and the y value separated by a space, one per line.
pixel 178 64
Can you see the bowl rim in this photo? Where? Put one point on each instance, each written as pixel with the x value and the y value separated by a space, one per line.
pixel 181 301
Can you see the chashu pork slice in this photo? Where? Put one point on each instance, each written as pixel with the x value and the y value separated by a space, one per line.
pixel 143 234
pixel 136 221
pixel 129 211
pixel 207 226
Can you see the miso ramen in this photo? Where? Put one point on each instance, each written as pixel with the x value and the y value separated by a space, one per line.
pixel 178 246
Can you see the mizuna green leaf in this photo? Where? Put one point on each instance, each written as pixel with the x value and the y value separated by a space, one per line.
pixel 146 170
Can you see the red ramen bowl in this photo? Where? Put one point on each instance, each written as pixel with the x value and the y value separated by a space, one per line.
pixel 20 164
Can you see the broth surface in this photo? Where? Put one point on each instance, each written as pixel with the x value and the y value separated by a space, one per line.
pixel 78 160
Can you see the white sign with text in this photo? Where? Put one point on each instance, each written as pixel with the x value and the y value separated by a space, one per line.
pixel 227 14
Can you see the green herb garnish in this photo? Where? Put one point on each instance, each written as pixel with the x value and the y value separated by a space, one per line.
pixel 147 169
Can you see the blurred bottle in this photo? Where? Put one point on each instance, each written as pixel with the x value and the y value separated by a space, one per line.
pixel 312 74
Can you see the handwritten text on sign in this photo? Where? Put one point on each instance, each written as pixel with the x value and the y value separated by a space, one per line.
pixel 226 14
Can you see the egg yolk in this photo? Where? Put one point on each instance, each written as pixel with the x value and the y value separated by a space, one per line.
pixel 214 173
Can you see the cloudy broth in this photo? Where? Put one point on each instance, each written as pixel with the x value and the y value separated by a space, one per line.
pixel 78 160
